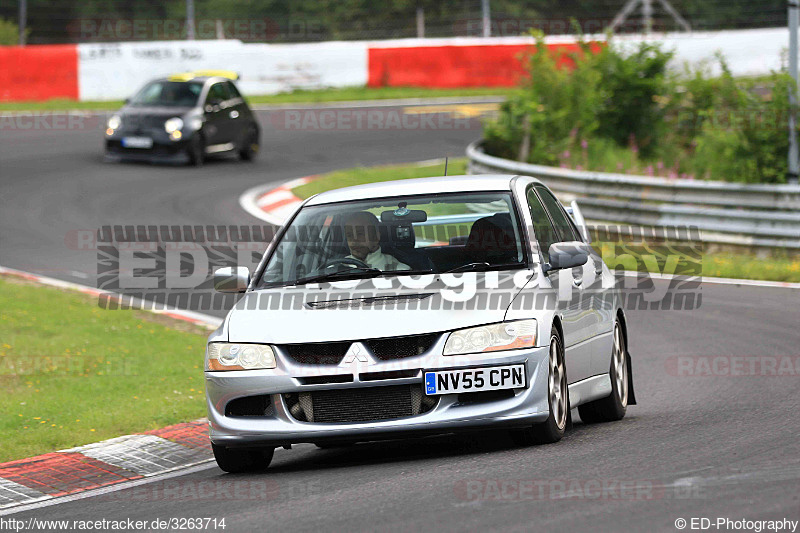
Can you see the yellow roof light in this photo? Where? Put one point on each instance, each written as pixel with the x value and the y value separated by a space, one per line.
pixel 184 76
pixel 231 75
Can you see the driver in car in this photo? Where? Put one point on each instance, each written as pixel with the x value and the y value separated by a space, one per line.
pixel 363 239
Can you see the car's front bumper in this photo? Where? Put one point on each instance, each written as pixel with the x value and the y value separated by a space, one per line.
pixel 526 406
pixel 163 149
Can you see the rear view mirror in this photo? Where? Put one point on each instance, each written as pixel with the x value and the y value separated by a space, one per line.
pixel 568 255
pixel 402 215
pixel 230 279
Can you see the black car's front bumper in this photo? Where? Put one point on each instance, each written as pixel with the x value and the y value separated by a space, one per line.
pixel 163 149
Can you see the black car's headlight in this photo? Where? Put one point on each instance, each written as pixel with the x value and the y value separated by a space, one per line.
pixel 114 123
pixel 173 124
pixel 173 127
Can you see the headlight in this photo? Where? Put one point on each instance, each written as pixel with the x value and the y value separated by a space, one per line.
pixel 492 338
pixel 114 122
pixel 224 356
pixel 173 124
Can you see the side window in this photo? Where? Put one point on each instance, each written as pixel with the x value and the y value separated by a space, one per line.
pixel 542 227
pixel 217 93
pixel 233 90
pixel 566 230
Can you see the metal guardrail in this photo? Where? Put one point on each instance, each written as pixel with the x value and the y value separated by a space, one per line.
pixel 725 213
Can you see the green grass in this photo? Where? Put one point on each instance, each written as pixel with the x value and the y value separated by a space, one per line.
pixel 73 373
pixel 294 97
pixel 689 259
pixel 728 265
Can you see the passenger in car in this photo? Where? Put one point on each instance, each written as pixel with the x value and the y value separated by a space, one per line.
pixel 363 239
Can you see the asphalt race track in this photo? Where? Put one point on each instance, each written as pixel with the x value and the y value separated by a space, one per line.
pixel 695 447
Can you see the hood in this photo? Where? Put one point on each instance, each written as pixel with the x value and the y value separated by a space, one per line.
pixel 340 311
pixel 154 111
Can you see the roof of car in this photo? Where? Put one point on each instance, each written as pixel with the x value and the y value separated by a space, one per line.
pixel 409 187
pixel 195 79
pixel 204 75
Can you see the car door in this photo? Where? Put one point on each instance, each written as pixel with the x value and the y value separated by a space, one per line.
pixel 218 129
pixel 594 309
pixel 575 322
pixel 239 114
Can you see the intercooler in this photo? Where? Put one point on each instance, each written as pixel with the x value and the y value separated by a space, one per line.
pixel 364 404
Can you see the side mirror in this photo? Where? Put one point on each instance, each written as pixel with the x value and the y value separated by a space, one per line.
pixel 127 101
pixel 230 279
pixel 568 255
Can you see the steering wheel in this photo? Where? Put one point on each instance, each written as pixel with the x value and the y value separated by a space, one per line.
pixel 345 261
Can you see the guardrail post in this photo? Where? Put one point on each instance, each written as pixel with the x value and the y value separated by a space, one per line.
pixel 23 21
pixel 794 21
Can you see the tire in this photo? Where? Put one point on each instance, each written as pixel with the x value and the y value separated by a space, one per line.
pixel 249 149
pixel 196 151
pixel 552 429
pixel 611 407
pixel 236 461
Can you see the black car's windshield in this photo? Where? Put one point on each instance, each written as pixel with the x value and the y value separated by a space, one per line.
pixel 397 236
pixel 168 93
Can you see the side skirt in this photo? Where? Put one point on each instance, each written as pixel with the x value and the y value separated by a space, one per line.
pixel 589 389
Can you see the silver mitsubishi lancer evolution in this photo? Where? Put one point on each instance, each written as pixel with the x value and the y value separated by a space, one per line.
pixel 414 307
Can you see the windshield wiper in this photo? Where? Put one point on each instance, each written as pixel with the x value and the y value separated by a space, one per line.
pixel 407 272
pixel 482 266
pixel 356 270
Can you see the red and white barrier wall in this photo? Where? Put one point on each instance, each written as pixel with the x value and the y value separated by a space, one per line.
pixel 38 72
pixel 113 71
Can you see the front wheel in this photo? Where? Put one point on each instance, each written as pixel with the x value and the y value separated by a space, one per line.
pixel 249 149
pixel 196 151
pixel 552 429
pixel 236 461
pixel 611 407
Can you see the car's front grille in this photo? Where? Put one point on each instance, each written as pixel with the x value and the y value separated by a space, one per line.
pixel 386 349
pixel 400 347
pixel 366 404
pixel 133 122
pixel 317 353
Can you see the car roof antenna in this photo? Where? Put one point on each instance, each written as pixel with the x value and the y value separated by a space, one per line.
pixel 445 166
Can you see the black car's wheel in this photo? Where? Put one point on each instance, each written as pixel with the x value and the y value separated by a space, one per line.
pixel 611 407
pixel 552 429
pixel 249 148
pixel 197 151
pixel 242 460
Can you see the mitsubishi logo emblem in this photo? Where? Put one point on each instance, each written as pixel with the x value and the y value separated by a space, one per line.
pixel 355 352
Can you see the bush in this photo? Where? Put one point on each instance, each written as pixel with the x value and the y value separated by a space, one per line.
pixel 621 109
pixel 551 109
pixel 9 33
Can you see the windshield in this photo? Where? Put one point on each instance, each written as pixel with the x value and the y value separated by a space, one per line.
pixel 420 234
pixel 168 93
